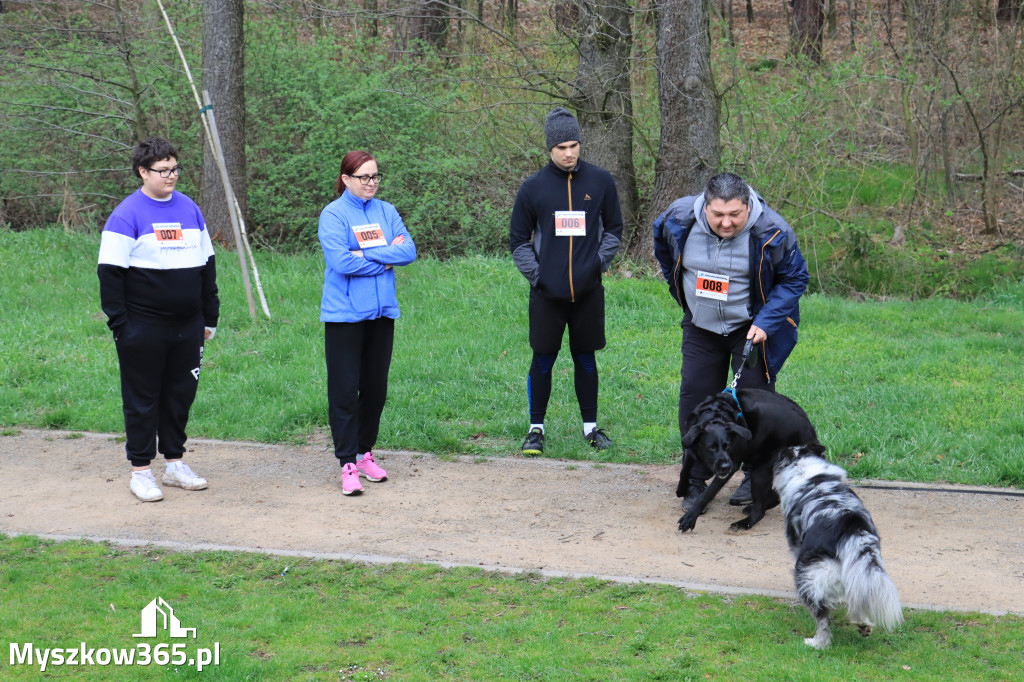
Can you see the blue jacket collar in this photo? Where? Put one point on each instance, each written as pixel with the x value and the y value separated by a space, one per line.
pixel 354 200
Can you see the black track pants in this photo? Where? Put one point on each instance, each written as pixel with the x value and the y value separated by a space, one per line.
pixel 707 358
pixel 159 376
pixel 585 381
pixel 358 360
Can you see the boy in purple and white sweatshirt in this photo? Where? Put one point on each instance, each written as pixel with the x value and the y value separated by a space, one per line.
pixel 158 289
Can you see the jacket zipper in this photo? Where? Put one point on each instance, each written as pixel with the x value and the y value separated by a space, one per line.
pixel 764 300
pixel 572 292
pixel 376 284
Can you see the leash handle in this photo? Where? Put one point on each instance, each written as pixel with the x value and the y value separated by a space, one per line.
pixel 749 346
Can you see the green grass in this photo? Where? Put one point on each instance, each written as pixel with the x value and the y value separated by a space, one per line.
pixel 286 618
pixel 924 390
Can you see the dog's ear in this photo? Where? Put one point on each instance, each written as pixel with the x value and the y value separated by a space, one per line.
pixel 739 430
pixel 691 436
pixel 817 448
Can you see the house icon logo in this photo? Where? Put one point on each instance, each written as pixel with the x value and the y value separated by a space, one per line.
pixel 159 612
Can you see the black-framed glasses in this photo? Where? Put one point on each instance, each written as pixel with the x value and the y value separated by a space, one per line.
pixel 365 179
pixel 168 172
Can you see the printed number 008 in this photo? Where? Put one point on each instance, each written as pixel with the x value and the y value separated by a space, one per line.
pixel 712 285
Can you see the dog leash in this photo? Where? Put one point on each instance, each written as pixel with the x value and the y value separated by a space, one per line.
pixel 747 348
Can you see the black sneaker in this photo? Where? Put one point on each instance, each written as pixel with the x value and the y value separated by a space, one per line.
pixel 598 440
pixel 534 443
pixel 693 493
pixel 742 496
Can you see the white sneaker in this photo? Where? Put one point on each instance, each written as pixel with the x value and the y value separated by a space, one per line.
pixel 181 476
pixel 144 486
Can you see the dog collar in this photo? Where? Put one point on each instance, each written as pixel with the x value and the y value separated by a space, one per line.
pixel 732 391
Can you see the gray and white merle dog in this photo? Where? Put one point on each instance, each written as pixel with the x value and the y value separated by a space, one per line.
pixel 835 543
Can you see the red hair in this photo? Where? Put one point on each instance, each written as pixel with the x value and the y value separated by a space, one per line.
pixel 349 165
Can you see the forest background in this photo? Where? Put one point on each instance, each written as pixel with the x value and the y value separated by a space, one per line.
pixel 888 133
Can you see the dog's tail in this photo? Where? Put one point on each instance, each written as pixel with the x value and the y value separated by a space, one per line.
pixel 871 596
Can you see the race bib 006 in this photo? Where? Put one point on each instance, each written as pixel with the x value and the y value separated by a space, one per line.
pixel 570 223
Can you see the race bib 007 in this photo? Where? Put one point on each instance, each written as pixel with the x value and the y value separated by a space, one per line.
pixel 369 235
pixel 570 223
pixel 712 285
pixel 168 232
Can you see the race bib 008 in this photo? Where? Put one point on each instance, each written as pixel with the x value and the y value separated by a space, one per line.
pixel 712 285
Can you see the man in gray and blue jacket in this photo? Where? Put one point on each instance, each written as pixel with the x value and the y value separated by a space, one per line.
pixel 733 265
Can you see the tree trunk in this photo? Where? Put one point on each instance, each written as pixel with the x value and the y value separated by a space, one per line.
pixel 140 127
pixel 371 27
pixel 805 31
pixel 689 151
pixel 222 78
pixel 425 22
pixel 1009 10
pixel 602 94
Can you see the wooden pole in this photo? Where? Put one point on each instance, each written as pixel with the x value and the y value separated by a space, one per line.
pixel 213 140
pixel 229 196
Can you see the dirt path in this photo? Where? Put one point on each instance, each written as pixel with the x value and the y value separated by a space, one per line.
pixel 960 551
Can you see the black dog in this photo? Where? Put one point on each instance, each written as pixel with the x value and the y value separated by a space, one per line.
pixel 729 430
pixel 836 546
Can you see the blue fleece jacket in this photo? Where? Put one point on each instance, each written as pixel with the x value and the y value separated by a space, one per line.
pixel 358 288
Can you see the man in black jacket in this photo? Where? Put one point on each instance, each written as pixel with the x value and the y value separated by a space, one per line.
pixel 565 230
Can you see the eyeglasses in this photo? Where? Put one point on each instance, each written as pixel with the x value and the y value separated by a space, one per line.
pixel 365 179
pixel 168 172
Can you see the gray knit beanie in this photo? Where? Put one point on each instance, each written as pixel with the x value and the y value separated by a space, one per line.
pixel 561 126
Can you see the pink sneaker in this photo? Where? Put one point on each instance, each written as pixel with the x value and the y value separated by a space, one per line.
pixel 370 470
pixel 350 480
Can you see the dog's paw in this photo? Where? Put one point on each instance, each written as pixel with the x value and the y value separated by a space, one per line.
pixel 742 524
pixel 688 521
pixel 813 641
pixel 864 630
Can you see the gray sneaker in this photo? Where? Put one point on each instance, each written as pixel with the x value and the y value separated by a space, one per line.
pixel 182 476
pixel 144 486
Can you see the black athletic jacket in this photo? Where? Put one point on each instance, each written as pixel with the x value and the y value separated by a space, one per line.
pixel 558 267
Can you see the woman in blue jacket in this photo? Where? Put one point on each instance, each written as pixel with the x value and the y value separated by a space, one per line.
pixel 363 238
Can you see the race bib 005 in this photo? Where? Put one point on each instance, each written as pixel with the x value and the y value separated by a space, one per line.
pixel 369 235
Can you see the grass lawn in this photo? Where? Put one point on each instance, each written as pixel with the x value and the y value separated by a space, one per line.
pixel 924 391
pixel 284 618
pixel 920 391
